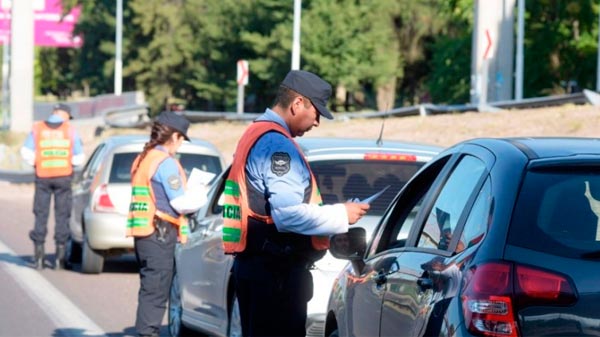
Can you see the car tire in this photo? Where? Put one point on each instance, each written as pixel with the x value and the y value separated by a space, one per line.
pixel 73 251
pixel 234 324
pixel 92 262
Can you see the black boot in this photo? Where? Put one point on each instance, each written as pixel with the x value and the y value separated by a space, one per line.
pixel 38 256
pixel 59 258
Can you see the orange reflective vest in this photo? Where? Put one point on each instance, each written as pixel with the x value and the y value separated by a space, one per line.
pixel 142 208
pixel 237 212
pixel 53 150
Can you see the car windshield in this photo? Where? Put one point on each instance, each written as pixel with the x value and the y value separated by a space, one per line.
pixel 121 165
pixel 341 180
pixel 561 209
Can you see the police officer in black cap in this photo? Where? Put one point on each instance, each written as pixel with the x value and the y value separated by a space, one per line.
pixel 53 148
pixel 281 227
pixel 159 200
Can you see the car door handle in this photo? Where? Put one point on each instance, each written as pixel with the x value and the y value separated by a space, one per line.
pixel 380 278
pixel 425 283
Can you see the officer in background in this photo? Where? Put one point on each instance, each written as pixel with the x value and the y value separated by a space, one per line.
pixel 274 220
pixel 159 200
pixel 53 147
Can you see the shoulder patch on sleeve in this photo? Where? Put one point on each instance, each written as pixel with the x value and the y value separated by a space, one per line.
pixel 280 163
pixel 174 182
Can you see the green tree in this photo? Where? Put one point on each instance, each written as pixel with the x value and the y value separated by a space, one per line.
pixel 560 45
pixel 449 78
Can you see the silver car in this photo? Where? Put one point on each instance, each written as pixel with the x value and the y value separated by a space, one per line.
pixel 102 192
pixel 202 296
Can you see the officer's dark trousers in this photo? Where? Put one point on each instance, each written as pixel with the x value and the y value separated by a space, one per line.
pixel 272 295
pixel 60 187
pixel 156 260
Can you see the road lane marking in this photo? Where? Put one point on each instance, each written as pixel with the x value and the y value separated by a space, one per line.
pixel 61 311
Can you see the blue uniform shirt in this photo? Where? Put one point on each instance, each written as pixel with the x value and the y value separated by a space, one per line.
pixel 277 169
pixel 167 184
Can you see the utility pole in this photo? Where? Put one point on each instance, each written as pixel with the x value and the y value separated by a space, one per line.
pixel 118 47
pixel 21 66
pixel 598 51
pixel 296 41
pixel 519 56
pixel 493 51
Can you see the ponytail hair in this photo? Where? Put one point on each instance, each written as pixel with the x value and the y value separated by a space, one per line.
pixel 159 135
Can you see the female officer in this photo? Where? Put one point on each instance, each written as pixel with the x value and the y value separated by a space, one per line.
pixel 159 198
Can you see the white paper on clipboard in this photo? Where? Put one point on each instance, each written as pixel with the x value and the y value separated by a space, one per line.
pixel 200 177
pixel 375 196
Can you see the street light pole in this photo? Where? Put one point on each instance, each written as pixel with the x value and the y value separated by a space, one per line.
pixel 118 47
pixel 519 56
pixel 296 41
pixel 598 51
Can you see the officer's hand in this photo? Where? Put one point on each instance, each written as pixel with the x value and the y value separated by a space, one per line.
pixel 355 211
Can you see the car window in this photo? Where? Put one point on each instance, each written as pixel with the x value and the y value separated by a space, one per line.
pixel 93 163
pixel 121 165
pixel 479 219
pixel 341 180
pixel 120 171
pixel 443 217
pixel 203 162
pixel 561 209
pixel 396 225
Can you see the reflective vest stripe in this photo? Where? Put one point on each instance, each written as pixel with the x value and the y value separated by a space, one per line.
pixel 140 190
pixel 232 234
pixel 55 143
pixel 137 222
pixel 54 163
pixel 55 153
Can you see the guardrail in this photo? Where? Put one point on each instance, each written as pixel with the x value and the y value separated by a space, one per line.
pixel 136 116
pixel 587 96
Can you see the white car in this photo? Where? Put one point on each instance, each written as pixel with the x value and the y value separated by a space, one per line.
pixel 102 193
pixel 202 296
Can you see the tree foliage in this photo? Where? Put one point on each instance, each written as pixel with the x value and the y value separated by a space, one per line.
pixel 560 46
pixel 377 54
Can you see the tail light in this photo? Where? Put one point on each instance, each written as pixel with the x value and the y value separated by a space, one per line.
pixel 101 201
pixel 495 291
pixel 390 156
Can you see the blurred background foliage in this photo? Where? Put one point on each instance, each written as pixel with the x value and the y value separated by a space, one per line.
pixel 378 54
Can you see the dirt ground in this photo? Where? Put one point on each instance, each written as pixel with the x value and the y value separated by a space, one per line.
pixel 443 130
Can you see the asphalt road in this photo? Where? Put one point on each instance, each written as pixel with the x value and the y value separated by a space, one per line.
pixel 58 303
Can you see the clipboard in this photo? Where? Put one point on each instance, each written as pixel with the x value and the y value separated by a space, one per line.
pixel 372 198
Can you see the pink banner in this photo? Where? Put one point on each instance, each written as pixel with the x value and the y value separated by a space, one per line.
pixel 51 28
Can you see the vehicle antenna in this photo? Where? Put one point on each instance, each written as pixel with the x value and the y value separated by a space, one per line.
pixel 380 139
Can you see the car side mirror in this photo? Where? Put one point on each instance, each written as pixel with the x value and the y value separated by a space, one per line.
pixel 349 246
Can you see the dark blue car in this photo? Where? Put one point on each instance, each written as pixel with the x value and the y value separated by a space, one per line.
pixel 493 237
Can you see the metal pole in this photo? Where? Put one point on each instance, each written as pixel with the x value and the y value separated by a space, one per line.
pixel 598 48
pixel 296 41
pixel 21 66
pixel 519 56
pixel 5 79
pixel 118 47
pixel 240 99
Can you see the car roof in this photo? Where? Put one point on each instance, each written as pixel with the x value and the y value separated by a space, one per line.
pixel 125 140
pixel 323 147
pixel 544 147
